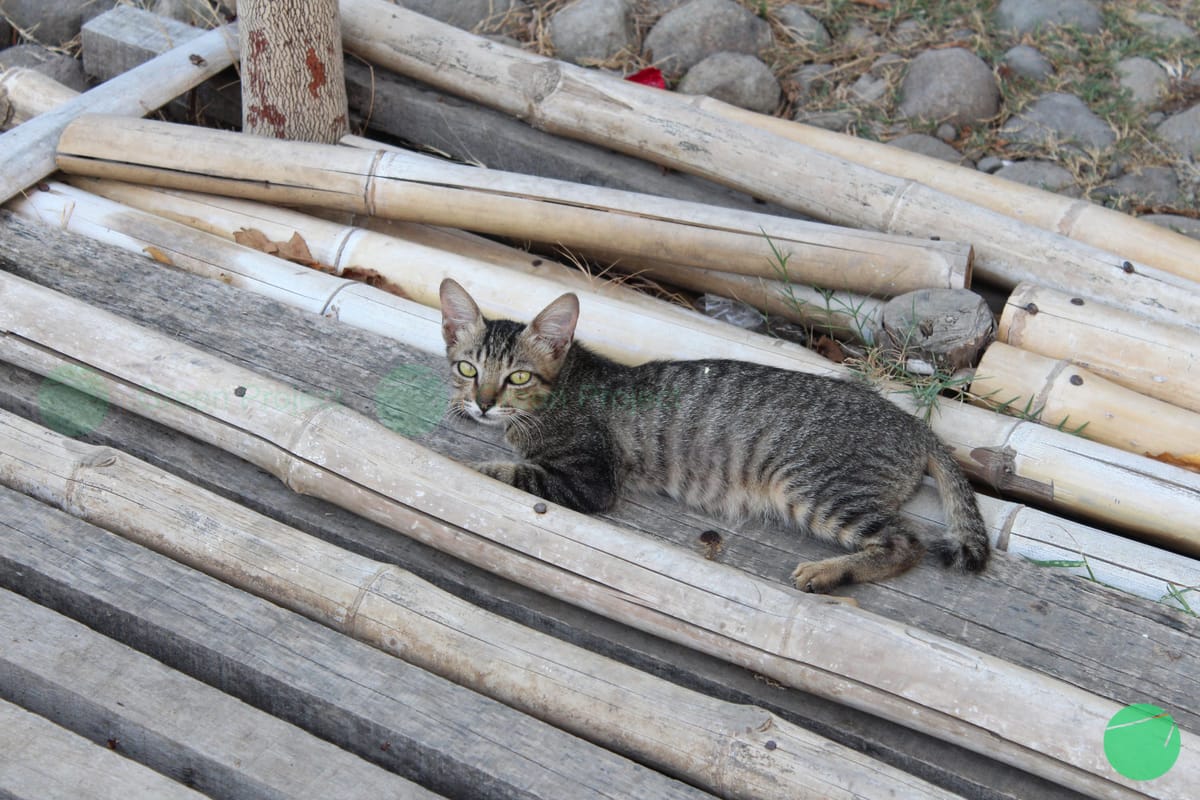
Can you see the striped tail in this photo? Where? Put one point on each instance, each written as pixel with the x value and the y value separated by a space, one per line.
pixel 966 541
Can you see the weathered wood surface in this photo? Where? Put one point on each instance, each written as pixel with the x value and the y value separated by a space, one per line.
pixel 402 718
pixel 41 761
pixel 735 751
pixel 1044 626
pixel 382 101
pixel 194 734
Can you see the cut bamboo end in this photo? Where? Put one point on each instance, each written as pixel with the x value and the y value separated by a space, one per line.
pixel 25 93
pixel 1060 394
pixel 406 186
pixel 1157 360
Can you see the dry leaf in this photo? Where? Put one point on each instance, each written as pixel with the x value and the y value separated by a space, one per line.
pixel 158 255
pixel 252 237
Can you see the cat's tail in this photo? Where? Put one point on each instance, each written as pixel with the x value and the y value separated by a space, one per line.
pixel 966 540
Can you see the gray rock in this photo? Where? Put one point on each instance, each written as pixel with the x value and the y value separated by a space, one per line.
pixel 837 120
pixel 929 146
pixel 860 39
pixel 810 80
pixel 1026 16
pixel 1040 174
pixel 888 65
pixel 59 66
pixel 989 164
pixel 952 85
pixel 53 22
pixel 1027 62
pixel 1181 133
pixel 1163 27
pixel 1056 119
pixel 735 78
pixel 1151 186
pixel 1145 80
pixel 946 132
pixel 191 12
pixel 908 32
pixel 656 8
pixel 690 33
pixel 1185 225
pixel 592 30
pixel 803 27
pixel 869 89
pixel 482 16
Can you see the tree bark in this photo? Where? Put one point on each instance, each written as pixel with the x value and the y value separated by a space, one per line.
pixel 293 81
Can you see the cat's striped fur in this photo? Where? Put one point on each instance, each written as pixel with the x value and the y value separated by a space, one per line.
pixel 829 456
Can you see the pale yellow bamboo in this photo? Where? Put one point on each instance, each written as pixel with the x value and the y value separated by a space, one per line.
pixel 690 735
pixel 1069 397
pixel 326 450
pixel 1160 361
pixel 667 129
pixel 1127 236
pixel 25 93
pixel 1018 458
pixel 407 186
pixel 27 152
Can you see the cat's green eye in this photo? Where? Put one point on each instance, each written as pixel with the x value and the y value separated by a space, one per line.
pixel 520 378
pixel 466 369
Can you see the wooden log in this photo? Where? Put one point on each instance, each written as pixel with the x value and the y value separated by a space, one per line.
pixel 782 634
pixel 359 698
pixel 1045 619
pixel 27 152
pixel 1078 219
pixel 718 745
pixel 45 762
pixel 176 725
pixel 1021 459
pixel 292 87
pixel 665 128
pixel 419 189
pixel 1160 361
pixel 1062 395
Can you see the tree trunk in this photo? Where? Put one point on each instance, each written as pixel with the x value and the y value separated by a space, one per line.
pixel 293 82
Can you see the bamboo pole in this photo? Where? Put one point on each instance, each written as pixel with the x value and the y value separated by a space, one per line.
pixel 420 189
pixel 720 746
pixel 665 128
pixel 27 152
pixel 1077 219
pixel 25 93
pixel 1160 361
pixel 1062 395
pixel 328 451
pixel 1117 562
pixel 1020 459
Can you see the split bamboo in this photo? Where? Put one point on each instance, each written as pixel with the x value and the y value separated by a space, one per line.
pixel 1118 562
pixel 1160 361
pixel 665 128
pixel 719 746
pixel 1018 458
pixel 319 448
pixel 1071 398
pixel 1128 236
pixel 27 152
pixel 416 188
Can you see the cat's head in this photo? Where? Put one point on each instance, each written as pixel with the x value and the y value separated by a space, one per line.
pixel 503 370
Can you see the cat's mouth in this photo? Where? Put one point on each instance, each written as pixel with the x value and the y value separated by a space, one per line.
pixel 494 416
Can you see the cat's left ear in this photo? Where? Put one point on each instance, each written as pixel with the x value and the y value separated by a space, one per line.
pixel 555 325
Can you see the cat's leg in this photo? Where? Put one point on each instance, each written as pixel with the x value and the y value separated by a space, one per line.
pixel 584 486
pixel 885 546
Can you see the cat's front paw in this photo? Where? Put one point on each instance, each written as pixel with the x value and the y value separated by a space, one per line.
pixel 821 576
pixel 504 471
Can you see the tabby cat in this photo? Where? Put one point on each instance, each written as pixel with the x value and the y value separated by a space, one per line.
pixel 829 456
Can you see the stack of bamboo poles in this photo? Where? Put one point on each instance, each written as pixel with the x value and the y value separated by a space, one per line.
pixel 43 332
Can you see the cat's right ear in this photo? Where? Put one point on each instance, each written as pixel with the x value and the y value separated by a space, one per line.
pixel 555 325
pixel 460 315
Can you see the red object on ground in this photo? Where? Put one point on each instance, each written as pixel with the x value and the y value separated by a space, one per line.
pixel 650 76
